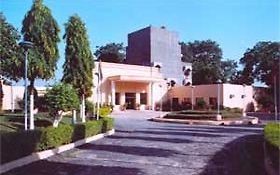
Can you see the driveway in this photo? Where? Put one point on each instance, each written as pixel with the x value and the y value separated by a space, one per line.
pixel 143 147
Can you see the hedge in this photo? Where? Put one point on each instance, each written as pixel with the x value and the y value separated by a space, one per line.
pixel 15 145
pixel 272 143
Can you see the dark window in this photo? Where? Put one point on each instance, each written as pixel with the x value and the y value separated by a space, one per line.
pixel 143 98
pixel 175 101
pixel 117 98
pixel 213 101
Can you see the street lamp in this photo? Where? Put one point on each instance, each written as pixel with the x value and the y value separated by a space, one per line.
pixel 218 117
pixel 244 104
pixel 192 97
pixel 26 45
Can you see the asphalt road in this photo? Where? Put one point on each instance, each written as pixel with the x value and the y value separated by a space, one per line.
pixel 143 147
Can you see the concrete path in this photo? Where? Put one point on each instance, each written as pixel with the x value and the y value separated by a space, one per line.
pixel 142 147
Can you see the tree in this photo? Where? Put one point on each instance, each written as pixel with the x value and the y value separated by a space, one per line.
pixel 112 52
pixel 39 27
pixel 61 98
pixel 78 60
pixel 228 71
pixel 10 59
pixel 262 63
pixel 205 57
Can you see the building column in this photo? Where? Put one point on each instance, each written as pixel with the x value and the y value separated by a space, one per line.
pixel 122 100
pixel 113 91
pixel 150 95
pixel 137 98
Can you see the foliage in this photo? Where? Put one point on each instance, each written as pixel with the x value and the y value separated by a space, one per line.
pixel 228 71
pixel 201 104
pixel 272 143
pixel 272 134
pixel 78 57
pixel 261 63
pixel 112 52
pixel 24 143
pixel 61 98
pixel 205 57
pixel 89 107
pixel 10 59
pixel 41 28
pixel 105 111
pixel 53 137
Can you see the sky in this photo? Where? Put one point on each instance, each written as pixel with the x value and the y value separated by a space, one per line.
pixel 235 25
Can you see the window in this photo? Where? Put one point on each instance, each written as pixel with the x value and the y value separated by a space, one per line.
pixel 213 101
pixel 143 98
pixel 187 100
pixel 175 101
pixel 198 99
pixel 117 98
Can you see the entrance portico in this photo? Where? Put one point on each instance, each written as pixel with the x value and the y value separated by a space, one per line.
pixel 133 92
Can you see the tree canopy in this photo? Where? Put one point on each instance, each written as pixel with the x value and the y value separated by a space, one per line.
pixel 112 52
pixel 61 98
pixel 39 27
pixel 229 71
pixel 10 61
pixel 78 57
pixel 261 63
pixel 205 57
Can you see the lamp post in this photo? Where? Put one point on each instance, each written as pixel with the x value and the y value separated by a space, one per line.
pixel 244 104
pixel 192 97
pixel 219 116
pixel 97 90
pixel 26 45
pixel 275 98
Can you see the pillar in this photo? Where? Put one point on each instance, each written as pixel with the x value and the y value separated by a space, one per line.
pixel 113 91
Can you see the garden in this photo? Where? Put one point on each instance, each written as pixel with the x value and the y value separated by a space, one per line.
pixel 54 127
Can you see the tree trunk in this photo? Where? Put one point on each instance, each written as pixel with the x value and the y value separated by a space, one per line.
pixel 31 104
pixel 74 115
pixel 57 119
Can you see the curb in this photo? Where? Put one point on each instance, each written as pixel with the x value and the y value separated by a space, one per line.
pixel 247 120
pixel 48 153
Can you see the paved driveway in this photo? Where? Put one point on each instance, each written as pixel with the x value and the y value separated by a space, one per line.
pixel 143 147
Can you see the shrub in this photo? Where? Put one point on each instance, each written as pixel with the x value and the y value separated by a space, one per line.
pixel 105 111
pixel 89 107
pixel 53 137
pixel 15 145
pixel 61 98
pixel 108 124
pixel 201 104
pixel 272 143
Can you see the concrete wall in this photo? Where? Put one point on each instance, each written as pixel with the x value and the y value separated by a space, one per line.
pixel 230 94
pixel 12 94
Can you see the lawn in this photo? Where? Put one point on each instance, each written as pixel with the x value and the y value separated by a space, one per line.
pixel 12 122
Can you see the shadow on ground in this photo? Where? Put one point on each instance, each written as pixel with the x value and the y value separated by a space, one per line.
pixel 56 168
pixel 132 150
pixel 243 156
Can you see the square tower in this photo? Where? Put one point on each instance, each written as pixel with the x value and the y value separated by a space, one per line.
pixel 159 47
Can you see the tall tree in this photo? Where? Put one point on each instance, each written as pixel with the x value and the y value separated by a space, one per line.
pixel 9 53
pixel 262 63
pixel 112 52
pixel 228 71
pixel 205 57
pixel 10 61
pixel 78 59
pixel 39 27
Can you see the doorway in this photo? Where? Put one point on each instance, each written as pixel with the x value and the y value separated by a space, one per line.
pixel 130 99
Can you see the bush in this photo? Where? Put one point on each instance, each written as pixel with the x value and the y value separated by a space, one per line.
pixel 53 137
pixel 61 98
pixel 105 111
pixel 89 107
pixel 201 104
pixel 272 143
pixel 15 145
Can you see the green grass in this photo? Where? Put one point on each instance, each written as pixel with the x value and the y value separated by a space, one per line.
pixel 272 134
